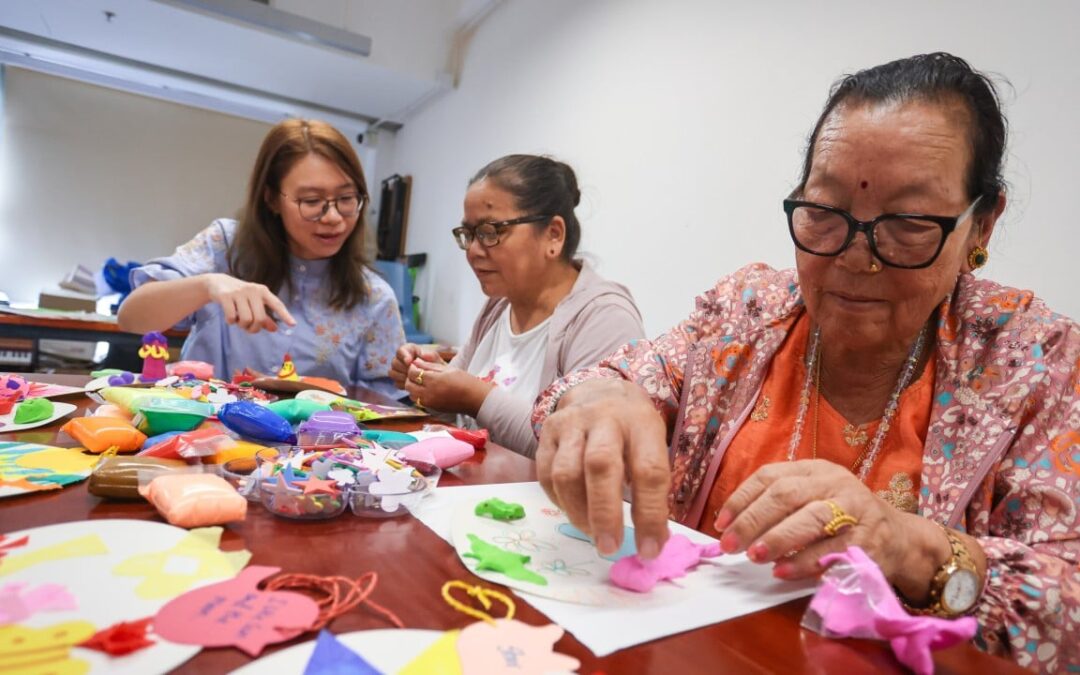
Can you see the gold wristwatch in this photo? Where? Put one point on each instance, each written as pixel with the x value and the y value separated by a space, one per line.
pixel 956 586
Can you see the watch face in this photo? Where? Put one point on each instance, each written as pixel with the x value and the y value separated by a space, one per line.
pixel 961 591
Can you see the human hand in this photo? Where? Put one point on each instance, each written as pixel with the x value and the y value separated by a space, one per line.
pixel 403 359
pixel 245 304
pixel 605 433
pixel 780 514
pixel 442 387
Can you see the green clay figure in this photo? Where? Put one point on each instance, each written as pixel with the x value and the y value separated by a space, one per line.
pixel 500 510
pixel 492 558
pixel 33 410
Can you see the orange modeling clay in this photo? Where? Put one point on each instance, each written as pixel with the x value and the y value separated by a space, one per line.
pixel 195 499
pixel 98 434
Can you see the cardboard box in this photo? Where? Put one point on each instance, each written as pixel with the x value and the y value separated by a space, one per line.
pixel 67 300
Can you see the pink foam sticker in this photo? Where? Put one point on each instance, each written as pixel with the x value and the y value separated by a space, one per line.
pixel 678 556
pixel 236 613
pixel 18 601
pixel 510 646
pixel 442 452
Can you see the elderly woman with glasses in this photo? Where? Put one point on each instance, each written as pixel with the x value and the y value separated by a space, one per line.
pixel 878 395
pixel 291 277
pixel 547 314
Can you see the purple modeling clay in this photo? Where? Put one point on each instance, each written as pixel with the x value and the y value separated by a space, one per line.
pixel 330 421
pixel 678 556
pixel 855 600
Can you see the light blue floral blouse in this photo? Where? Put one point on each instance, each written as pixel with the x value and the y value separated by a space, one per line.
pixel 354 347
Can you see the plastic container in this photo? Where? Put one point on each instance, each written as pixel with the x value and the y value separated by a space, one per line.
pixel 364 503
pixel 291 502
pixel 242 473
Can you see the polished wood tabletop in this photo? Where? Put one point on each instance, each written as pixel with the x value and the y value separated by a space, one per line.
pixel 412 564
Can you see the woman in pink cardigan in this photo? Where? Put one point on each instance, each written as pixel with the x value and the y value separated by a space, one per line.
pixel 547 315
pixel 878 395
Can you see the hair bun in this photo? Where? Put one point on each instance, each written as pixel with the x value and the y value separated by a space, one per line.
pixel 571 182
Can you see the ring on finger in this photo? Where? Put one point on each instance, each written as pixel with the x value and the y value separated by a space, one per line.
pixel 420 378
pixel 840 520
pixel 419 404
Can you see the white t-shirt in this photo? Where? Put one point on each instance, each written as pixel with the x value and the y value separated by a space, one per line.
pixel 512 362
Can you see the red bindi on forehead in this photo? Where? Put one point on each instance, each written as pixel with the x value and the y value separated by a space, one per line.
pixel 864 184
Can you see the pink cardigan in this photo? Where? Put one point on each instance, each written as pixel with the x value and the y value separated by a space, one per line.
pixel 1002 453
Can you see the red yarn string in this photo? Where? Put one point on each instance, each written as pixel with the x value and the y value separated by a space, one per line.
pixel 334 595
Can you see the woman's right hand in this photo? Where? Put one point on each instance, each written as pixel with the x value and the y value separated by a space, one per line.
pixel 605 433
pixel 248 305
pixel 406 354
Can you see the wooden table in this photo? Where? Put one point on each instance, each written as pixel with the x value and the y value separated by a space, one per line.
pixel 413 563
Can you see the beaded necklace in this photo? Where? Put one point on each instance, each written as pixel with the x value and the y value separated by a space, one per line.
pixel 813 370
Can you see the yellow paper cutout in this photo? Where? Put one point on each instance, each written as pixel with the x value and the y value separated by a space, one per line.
pixel 200 545
pixel 25 650
pixel 59 460
pixel 91 544
pixel 441 658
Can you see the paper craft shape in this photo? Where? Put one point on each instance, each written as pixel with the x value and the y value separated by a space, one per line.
pixel 88 545
pixel 13 388
pixel 33 410
pixel 121 638
pixel 29 467
pixel 333 658
pixel 9 425
pixel 679 556
pixel 154 353
pixel 855 600
pixel 441 658
pixel 510 646
pixel 500 510
pixel 495 559
pixel 47 390
pixel 236 613
pixel 8 544
pixel 46 649
pixel 194 559
pixel 628 546
pixel 18 601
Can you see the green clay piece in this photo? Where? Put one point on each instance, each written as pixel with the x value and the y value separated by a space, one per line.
pixel 33 410
pixel 492 558
pixel 297 410
pixel 500 510
pixel 106 372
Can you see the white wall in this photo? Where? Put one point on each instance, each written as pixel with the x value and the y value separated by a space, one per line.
pixel 686 121
pixel 88 172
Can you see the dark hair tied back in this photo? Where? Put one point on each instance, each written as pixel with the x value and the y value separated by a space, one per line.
pixel 540 186
pixel 938 77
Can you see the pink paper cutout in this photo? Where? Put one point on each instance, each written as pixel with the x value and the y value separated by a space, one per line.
pixel 510 646
pixel 855 600
pixel 678 556
pixel 442 452
pixel 18 601
pixel 236 613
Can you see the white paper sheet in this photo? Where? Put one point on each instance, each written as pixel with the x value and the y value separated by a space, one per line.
pixel 738 586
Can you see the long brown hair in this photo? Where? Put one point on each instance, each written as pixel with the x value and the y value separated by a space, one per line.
pixel 260 252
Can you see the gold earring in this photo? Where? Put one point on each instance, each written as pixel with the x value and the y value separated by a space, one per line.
pixel 977 257
pixel 874 268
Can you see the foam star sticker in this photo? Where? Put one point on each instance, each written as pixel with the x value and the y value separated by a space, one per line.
pixel 121 638
pixel 495 559
pixel 194 558
pixel 315 486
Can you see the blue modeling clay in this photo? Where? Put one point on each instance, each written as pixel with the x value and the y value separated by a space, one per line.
pixel 252 420
pixel 154 440
pixel 333 658
pixel 628 548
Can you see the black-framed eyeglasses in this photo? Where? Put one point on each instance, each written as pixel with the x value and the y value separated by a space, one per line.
pixel 491 233
pixel 314 209
pixel 905 240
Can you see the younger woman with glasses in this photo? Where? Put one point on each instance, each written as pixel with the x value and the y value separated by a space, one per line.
pixel 547 313
pixel 290 276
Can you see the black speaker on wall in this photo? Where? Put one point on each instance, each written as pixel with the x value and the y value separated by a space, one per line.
pixel 393 217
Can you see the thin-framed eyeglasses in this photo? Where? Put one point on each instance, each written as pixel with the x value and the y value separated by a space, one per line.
pixel 314 209
pixel 490 233
pixel 904 240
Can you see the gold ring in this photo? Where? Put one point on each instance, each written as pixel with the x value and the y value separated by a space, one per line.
pixel 420 378
pixel 419 404
pixel 839 521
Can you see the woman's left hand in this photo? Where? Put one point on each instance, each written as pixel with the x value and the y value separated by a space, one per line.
pixel 443 387
pixel 781 513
